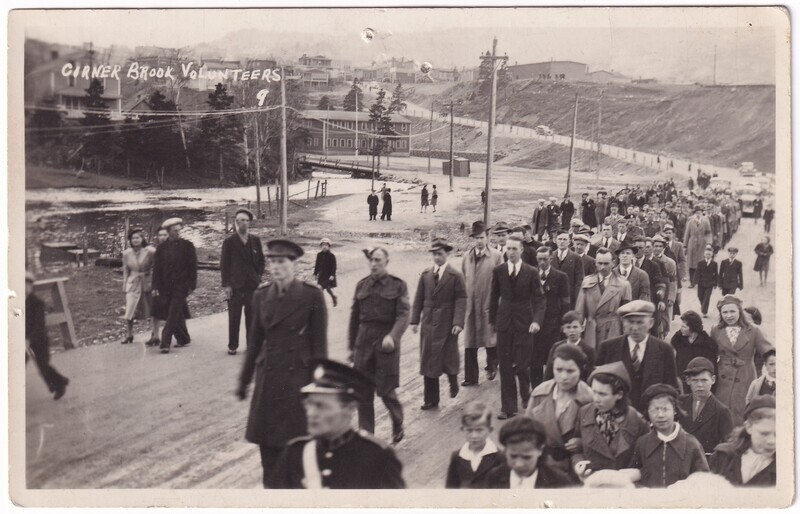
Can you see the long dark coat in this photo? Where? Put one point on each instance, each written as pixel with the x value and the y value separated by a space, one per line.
pixel 325 268
pixel 595 448
pixel 387 204
pixel 284 335
pixel 572 265
pixel 588 213
pixel 711 427
pixel 440 307
pixel 703 346
pixel 727 461
pixel 175 267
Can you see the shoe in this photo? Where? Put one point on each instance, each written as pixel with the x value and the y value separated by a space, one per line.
pixel 187 343
pixel 429 406
pixel 335 301
pixel 492 374
pixel 153 341
pixel 231 351
pixel 165 349
pixel 453 389
pixel 468 383
pixel 127 340
pixel 62 389
pixel 506 415
pixel 397 435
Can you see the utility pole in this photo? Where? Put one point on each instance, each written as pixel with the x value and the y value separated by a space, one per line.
pixel 356 123
pixel 451 146
pixel 284 172
pixel 430 140
pixel 599 132
pixel 258 169
pixel 715 65
pixel 487 208
pixel 325 131
pixel 572 143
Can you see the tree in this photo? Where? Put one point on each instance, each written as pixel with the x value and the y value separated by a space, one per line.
pixel 45 122
pixel 99 139
pixel 381 119
pixel 354 100
pixel 160 140
pixel 220 133
pixel 398 103
pixel 325 104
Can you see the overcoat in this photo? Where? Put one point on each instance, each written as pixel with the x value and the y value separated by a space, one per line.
pixel 595 448
pixel 711 427
pixel 736 367
pixel 662 464
pixel 137 276
pixel 478 279
pixel 727 462
pixel 697 236
pixel 439 307
pixel 242 264
pixel 588 213
pixel 600 211
pixel 285 334
pixel 599 308
pixel 572 265
pixel 325 268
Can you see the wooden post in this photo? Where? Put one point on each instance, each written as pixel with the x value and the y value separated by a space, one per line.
pixel 227 222
pixel 572 144
pixel 269 201
pixel 127 231
pixel 308 192
pixel 316 193
pixel 85 248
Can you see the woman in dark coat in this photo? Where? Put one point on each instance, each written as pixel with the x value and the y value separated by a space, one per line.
pixel 764 251
pixel 386 213
pixel 423 205
pixel 757 206
pixel 325 268
pixel 692 341
pixel 748 457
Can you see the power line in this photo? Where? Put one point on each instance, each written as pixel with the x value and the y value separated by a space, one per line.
pixel 118 126
pixel 163 113
pixel 374 134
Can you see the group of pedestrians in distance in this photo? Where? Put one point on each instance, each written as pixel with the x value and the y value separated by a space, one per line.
pixel 573 310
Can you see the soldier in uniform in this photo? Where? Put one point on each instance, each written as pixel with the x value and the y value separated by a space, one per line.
pixel 333 455
pixel 379 317
pixel 174 279
pixel 289 328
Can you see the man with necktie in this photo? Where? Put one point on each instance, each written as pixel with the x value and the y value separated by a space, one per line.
pixel 638 279
pixel 599 297
pixel 500 232
pixel 648 360
pixel 557 301
pixel 570 263
pixel 539 220
pixel 607 239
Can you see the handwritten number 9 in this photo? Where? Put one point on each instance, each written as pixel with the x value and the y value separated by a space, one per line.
pixel 262 95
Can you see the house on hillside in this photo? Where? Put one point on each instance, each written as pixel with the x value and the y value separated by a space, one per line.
pixel 398 70
pixel 607 77
pixel 317 61
pixel 443 75
pixel 365 74
pixel 341 132
pixel 48 81
pixel 550 70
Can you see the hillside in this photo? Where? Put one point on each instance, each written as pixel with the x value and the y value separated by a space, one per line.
pixel 717 125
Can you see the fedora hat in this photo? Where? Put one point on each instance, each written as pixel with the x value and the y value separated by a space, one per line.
pixel 440 244
pixel 478 228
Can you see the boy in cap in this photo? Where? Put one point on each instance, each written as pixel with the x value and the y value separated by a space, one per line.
pixel 525 465
pixel 174 279
pixel 648 360
pixel 478 265
pixel 440 304
pixel 700 413
pixel 333 455
pixel 37 341
pixel 241 264
pixel 730 273
pixel 290 327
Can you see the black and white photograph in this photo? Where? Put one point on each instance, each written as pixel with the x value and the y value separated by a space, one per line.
pixel 450 250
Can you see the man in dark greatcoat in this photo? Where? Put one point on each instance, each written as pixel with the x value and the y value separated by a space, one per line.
pixel 289 328
pixel 242 265
pixel 440 306
pixel 588 213
pixel 372 201
pixel 567 210
pixel 174 279
pixel 386 212
pixel 557 301
pixel 378 319
pixel 333 455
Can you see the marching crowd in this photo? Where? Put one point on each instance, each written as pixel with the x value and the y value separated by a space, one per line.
pixel 573 311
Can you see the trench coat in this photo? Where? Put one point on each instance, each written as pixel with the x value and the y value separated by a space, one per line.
pixel 137 276
pixel 599 309
pixel 736 367
pixel 285 334
pixel 478 279
pixel 697 236
pixel 440 307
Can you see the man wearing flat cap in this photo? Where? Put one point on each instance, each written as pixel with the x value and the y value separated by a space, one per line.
pixel 648 360
pixel 539 220
pixel 242 265
pixel 174 279
pixel 700 412
pixel 289 328
pixel 478 265
pixel 440 305
pixel 333 455
pixel 378 319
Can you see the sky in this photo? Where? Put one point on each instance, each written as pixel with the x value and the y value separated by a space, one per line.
pixel 664 43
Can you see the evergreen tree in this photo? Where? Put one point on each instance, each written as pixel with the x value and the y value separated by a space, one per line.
pixel 99 139
pixel 381 119
pixel 220 133
pixel 354 98
pixel 160 140
pixel 44 123
pixel 398 103
pixel 325 104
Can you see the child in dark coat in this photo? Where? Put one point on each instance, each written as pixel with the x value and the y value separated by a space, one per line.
pixel 479 454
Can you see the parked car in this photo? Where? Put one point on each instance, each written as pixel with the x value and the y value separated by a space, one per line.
pixel 544 130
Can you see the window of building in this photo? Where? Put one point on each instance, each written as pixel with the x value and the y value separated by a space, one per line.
pixel 349 143
pixel 341 143
pixel 335 143
pixel 316 141
pixel 329 142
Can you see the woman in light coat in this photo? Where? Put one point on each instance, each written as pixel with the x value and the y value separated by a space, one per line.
pixel 738 341
pixel 137 276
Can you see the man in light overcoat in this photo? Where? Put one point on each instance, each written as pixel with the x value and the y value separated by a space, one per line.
pixel 600 296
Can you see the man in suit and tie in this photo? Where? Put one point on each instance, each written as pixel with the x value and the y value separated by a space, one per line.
pixel 730 273
pixel 440 306
pixel 648 360
pixel 557 300
pixel 704 416
pixel 606 239
pixel 658 284
pixel 528 250
pixel 500 232
pixel 570 263
pixel 613 218
pixel 599 297
pixel 581 243
pixel 675 251
pixel 638 279
pixel 670 269
pixel 706 277
pixel 516 314
pixel 539 220
pixel 242 265
pixel 622 231
pixel 553 212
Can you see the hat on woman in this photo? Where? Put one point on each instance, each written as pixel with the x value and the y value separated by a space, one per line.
pixel 764 401
pixel 656 390
pixel 135 230
pixel 324 241
pixel 728 299
pixel 615 369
